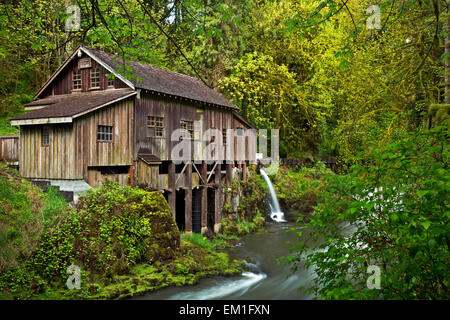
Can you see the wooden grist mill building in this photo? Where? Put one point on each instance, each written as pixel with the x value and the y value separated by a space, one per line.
pixel 85 126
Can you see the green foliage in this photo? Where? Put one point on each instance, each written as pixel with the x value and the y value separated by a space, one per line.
pixel 6 128
pixel 197 239
pixel 249 214
pixel 24 209
pixel 297 188
pixel 111 229
pixel 399 211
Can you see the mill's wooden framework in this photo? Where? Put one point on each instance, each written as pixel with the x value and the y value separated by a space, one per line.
pixel 90 123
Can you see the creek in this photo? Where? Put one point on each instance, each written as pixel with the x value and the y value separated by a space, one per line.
pixel 265 278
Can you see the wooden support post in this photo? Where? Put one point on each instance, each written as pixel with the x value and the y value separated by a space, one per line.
pixel 131 174
pixel 228 180
pixel 188 198
pixel 244 171
pixel 173 189
pixel 204 198
pixel 229 174
pixel 217 199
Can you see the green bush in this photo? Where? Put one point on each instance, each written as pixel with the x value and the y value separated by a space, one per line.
pixel 297 190
pixel 110 230
pixel 400 207
pixel 21 217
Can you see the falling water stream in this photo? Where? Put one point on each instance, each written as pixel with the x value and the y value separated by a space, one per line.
pixel 264 279
pixel 275 211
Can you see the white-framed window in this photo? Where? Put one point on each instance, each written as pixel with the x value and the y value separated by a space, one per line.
pixel 95 77
pixel 104 134
pixel 155 126
pixel 76 80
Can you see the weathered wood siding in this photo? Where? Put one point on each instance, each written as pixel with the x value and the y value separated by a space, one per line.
pixel 96 179
pixel 73 147
pixel 92 153
pixel 9 148
pixel 53 161
pixel 173 111
pixel 63 82
pixel 147 175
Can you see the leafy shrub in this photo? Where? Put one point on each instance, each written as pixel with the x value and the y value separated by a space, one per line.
pixel 297 189
pixel 399 210
pixel 110 230
pixel 21 217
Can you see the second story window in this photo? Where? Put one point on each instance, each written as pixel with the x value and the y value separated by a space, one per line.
pixel 155 126
pixel 110 81
pixel 95 77
pixel 188 126
pixel 104 134
pixel 76 80
pixel 45 141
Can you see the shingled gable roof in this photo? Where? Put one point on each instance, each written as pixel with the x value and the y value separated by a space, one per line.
pixel 66 107
pixel 152 78
pixel 163 81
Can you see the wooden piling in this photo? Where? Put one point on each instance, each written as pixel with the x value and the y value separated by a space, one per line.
pixel 188 198
pixel 229 170
pixel 173 190
pixel 217 199
pixel 204 173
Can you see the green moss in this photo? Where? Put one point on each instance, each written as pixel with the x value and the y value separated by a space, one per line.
pixel 191 264
pixel 124 239
pixel 252 206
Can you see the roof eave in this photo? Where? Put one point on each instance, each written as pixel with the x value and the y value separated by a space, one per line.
pixel 68 119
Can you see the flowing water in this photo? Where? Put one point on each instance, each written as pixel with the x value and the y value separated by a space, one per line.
pixel 265 279
pixel 275 211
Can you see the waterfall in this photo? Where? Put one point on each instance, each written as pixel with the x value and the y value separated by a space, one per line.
pixel 275 212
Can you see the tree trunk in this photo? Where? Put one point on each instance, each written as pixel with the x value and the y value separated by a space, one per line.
pixel 447 58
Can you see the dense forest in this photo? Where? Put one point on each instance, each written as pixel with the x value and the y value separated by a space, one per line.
pixel 337 77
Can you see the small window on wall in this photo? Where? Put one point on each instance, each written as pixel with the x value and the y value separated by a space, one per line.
pixel 239 131
pixel 95 77
pixel 45 136
pixel 76 80
pixel 104 134
pixel 155 126
pixel 188 126
pixel 110 80
pixel 224 137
